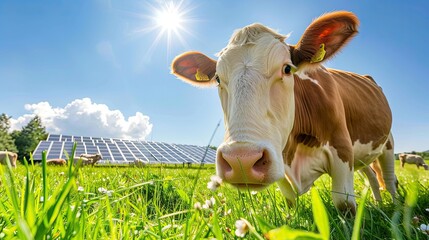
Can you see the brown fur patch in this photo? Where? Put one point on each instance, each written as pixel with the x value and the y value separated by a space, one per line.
pixel 341 108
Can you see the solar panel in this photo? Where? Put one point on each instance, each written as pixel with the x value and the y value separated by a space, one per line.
pixel 42 146
pixel 54 138
pixel 115 150
pixel 56 149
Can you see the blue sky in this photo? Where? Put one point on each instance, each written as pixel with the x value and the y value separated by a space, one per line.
pixel 92 68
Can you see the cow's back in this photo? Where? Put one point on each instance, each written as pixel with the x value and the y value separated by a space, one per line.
pixel 367 112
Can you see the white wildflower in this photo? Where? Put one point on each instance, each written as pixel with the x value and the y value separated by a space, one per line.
pixel 61 173
pixel 242 227
pixel 102 190
pixel 209 203
pixel 427 209
pixel 105 191
pixel 215 182
pixel 424 228
pixel 229 211
pixel 42 199
pixel 80 189
pixel 197 206
pixel 253 192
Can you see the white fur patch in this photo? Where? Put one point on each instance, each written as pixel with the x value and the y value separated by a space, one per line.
pixel 364 154
pixel 308 164
pixel 302 75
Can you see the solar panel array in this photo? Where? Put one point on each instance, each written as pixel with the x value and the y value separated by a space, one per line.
pixel 119 151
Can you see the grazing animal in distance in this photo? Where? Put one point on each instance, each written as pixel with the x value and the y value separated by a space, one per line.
pixel 56 161
pixel 413 159
pixel 81 161
pixel 11 155
pixel 140 162
pixel 288 119
pixel 91 159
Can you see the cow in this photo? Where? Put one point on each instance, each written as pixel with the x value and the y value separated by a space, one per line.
pixel 11 155
pixel 140 162
pixel 288 119
pixel 56 161
pixel 412 159
pixel 92 158
pixel 81 161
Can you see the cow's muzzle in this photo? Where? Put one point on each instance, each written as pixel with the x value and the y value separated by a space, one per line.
pixel 244 165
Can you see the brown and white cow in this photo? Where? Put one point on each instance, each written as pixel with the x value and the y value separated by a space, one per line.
pixel 288 119
pixel 56 161
pixel 91 159
pixel 412 159
pixel 11 155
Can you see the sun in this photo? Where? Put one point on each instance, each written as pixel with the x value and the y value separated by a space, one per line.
pixel 170 19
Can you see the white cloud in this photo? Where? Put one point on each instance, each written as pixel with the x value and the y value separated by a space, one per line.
pixel 83 117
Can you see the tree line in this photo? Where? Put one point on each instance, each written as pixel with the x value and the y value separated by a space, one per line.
pixel 24 141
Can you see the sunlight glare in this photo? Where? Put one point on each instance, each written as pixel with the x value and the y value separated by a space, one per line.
pixel 169 18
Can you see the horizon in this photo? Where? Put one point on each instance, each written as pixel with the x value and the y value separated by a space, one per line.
pixel 102 67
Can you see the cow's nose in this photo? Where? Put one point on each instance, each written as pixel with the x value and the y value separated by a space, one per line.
pixel 243 164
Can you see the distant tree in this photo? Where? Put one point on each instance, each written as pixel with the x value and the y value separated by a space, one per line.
pixel 6 140
pixel 27 139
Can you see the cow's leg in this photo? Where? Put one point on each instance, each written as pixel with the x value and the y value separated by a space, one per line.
pixel 342 184
pixel 387 164
pixel 342 172
pixel 373 182
pixel 342 187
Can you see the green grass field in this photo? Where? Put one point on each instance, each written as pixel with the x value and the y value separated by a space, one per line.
pixel 164 202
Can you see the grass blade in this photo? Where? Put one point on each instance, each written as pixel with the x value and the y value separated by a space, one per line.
pixel 359 215
pixel 319 214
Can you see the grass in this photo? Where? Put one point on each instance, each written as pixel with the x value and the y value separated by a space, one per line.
pixel 161 202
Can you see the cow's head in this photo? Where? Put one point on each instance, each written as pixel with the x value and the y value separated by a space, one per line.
pixel 255 77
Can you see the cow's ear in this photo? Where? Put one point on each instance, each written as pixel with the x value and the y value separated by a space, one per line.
pixel 195 68
pixel 324 37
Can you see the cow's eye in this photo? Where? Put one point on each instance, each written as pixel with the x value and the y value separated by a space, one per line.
pixel 217 79
pixel 288 69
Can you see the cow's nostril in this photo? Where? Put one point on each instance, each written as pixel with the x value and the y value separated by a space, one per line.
pixel 223 163
pixel 262 164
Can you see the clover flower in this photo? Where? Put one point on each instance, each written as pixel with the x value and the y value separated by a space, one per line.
pixel 197 206
pixel 242 227
pixel 209 203
pixel 215 182
pixel 105 191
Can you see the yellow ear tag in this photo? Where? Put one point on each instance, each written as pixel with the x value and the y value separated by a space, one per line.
pixel 319 55
pixel 201 76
